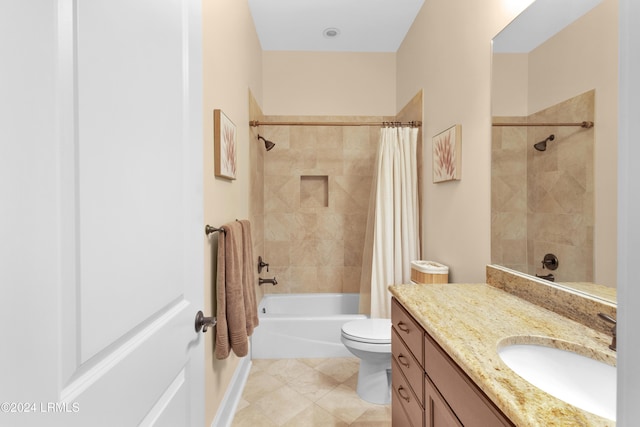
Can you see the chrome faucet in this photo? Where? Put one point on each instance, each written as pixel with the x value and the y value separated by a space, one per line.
pixel 613 321
pixel 262 281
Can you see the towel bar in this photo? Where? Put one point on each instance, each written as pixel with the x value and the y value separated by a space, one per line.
pixel 208 230
pixel 202 323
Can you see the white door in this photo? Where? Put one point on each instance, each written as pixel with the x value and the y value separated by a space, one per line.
pixel 101 234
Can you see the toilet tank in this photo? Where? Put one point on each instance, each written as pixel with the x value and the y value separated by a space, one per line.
pixel 428 272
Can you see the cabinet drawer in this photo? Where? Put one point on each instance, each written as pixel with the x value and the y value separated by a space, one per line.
pixel 409 366
pixel 399 417
pixel 467 401
pixel 411 332
pixel 404 395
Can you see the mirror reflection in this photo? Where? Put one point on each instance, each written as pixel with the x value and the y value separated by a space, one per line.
pixel 553 173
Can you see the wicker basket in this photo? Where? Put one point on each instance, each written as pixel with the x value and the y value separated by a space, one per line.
pixel 429 272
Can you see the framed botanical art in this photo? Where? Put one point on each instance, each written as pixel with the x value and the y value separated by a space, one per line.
pixel 225 146
pixel 447 155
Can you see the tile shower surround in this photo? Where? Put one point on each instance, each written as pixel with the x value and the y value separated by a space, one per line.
pixel 543 202
pixel 317 184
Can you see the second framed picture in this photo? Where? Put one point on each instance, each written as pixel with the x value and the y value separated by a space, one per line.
pixel 447 155
pixel 225 146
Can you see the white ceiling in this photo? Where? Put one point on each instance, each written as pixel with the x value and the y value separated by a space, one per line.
pixel 364 25
pixel 539 22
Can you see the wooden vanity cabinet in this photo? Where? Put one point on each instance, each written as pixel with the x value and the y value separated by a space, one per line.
pixel 407 369
pixel 429 388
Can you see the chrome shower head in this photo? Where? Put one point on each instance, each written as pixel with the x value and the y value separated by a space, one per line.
pixel 542 145
pixel 268 145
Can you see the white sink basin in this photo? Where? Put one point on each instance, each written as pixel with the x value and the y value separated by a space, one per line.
pixel 578 380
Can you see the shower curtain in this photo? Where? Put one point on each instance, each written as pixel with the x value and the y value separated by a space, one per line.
pixel 392 240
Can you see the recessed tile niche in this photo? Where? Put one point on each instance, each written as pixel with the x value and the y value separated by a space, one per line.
pixel 314 191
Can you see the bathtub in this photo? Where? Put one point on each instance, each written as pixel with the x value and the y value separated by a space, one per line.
pixel 303 325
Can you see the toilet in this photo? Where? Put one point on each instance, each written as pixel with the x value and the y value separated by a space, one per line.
pixel 370 341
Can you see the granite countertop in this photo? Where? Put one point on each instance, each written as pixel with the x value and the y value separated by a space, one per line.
pixel 469 321
pixel 600 291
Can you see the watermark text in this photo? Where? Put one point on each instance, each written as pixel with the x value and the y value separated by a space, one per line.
pixel 39 407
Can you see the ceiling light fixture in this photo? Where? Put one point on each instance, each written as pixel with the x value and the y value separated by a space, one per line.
pixel 331 32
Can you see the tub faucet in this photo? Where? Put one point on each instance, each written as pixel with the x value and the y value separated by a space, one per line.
pixel 613 321
pixel 263 281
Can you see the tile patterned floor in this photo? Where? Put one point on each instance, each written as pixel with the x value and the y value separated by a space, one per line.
pixel 306 393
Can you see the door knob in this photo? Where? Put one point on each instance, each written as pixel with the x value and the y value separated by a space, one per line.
pixel 203 323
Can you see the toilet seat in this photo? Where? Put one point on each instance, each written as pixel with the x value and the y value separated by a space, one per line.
pixel 370 331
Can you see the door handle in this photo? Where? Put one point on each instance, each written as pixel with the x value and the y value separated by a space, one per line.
pixel 203 323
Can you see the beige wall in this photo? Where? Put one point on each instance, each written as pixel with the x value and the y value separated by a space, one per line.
pixel 329 84
pixel 509 87
pixel 447 53
pixel 232 65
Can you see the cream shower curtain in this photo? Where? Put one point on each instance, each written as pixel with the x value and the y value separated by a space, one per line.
pixel 392 240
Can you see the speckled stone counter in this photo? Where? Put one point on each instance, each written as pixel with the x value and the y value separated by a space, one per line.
pixel 471 321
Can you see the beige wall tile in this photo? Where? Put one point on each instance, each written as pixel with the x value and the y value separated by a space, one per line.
pixel 281 194
pixel 316 196
pixel 278 227
pixel 557 191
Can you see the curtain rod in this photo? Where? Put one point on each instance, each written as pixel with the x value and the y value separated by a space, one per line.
pixel 585 125
pixel 256 123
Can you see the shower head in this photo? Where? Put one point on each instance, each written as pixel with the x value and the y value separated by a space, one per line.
pixel 268 145
pixel 542 145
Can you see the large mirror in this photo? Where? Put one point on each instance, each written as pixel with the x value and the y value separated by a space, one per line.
pixel 554 180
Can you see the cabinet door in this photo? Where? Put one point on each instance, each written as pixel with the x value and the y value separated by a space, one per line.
pixel 462 395
pixel 437 412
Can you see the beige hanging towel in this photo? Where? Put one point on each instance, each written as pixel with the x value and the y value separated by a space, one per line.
pixel 249 278
pixel 231 330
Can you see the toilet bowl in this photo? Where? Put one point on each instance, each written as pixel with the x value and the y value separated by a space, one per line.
pixel 370 341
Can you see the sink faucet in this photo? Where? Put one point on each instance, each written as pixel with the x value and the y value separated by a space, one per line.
pixel 613 321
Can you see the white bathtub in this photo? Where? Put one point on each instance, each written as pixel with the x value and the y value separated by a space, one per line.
pixel 303 325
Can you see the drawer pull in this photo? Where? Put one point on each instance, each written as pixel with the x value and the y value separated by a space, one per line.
pixel 403 393
pixel 403 360
pixel 403 327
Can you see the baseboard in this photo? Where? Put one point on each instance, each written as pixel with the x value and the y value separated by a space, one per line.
pixel 227 409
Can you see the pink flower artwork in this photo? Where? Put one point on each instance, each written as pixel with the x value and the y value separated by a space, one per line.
pixel 225 146
pixel 228 152
pixel 447 155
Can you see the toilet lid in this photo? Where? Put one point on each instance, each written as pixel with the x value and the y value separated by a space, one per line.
pixel 376 331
